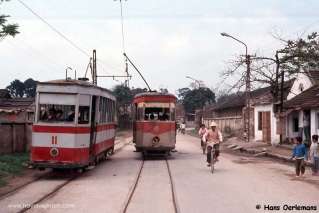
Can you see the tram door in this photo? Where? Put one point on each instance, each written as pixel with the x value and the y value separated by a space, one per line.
pixel 93 126
pixel 134 123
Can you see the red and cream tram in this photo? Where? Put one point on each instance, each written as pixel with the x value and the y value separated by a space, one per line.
pixel 154 126
pixel 74 124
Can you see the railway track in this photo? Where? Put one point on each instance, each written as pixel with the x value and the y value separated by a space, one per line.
pixel 136 183
pixel 65 182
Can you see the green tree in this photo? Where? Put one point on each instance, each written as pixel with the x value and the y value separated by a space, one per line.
pixel 30 87
pixel 136 91
pixel 5 27
pixel 301 53
pixel 123 94
pixel 181 93
pixel 16 89
pixel 196 98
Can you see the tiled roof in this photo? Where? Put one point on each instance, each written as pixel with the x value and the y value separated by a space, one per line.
pixel 307 99
pixel 258 96
pixel 314 75
pixel 16 104
pixel 4 93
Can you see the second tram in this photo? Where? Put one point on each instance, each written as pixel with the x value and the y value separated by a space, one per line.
pixel 154 125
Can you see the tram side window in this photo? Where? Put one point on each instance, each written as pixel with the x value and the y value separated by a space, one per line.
pixel 107 110
pixel 111 110
pixel 102 110
pixel 84 115
pixel 56 113
pixel 156 113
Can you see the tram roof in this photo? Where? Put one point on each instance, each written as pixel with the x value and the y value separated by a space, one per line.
pixel 72 82
pixel 154 97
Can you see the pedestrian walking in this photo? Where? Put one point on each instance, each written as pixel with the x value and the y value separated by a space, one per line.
pixel 314 155
pixel 299 154
pixel 183 128
pixel 201 132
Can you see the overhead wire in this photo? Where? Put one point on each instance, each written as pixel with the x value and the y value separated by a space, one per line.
pixel 58 32
pixel 54 29
pixel 26 50
pixel 123 44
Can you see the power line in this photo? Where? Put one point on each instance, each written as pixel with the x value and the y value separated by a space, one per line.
pixel 57 31
pixel 54 29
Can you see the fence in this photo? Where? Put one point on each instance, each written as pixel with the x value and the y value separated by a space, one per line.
pixel 228 125
pixel 15 137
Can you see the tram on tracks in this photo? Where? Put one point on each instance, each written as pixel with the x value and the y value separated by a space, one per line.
pixel 154 124
pixel 74 124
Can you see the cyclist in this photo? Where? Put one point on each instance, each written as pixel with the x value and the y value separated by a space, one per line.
pixel 213 137
pixel 201 132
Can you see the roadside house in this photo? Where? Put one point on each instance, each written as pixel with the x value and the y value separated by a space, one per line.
pixel 16 118
pixel 301 107
pixel 304 108
pixel 265 109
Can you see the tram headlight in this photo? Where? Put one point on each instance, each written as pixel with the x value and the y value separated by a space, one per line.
pixel 155 140
pixel 54 152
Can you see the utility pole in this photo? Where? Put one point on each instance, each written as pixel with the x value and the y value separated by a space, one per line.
pixel 95 76
pixel 248 87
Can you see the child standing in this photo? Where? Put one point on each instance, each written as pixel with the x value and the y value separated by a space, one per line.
pixel 314 155
pixel 299 154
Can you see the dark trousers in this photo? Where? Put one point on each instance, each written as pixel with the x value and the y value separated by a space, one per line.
pixel 209 153
pixel 315 166
pixel 300 166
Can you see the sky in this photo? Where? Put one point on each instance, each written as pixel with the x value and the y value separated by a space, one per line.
pixel 167 39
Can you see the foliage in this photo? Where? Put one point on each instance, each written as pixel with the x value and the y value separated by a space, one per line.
pixel 30 87
pixel 181 93
pixel 294 57
pixel 196 98
pixel 125 95
pixel 12 165
pixel 18 89
pixel 6 28
pixel 301 53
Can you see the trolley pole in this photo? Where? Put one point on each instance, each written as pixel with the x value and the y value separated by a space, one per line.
pixel 94 68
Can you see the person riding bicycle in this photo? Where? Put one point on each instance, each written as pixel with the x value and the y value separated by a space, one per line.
pixel 201 132
pixel 213 137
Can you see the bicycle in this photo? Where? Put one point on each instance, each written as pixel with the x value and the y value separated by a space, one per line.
pixel 213 161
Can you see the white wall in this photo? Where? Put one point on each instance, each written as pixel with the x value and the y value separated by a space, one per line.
pixel 290 132
pixel 295 89
pixel 314 121
pixel 258 133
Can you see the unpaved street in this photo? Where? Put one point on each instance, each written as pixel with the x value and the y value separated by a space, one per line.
pixel 238 185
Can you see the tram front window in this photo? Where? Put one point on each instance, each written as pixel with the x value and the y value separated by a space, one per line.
pixel 157 114
pixel 56 113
